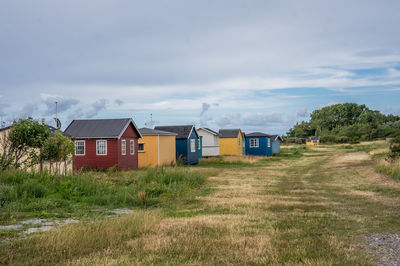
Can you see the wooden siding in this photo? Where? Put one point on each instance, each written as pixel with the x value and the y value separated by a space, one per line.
pixel 158 150
pixel 230 146
pixel 210 143
pixel 114 155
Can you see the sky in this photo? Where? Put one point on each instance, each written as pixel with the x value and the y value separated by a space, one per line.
pixel 255 65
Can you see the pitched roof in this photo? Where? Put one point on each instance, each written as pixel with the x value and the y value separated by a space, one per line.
pixel 99 128
pixel 183 131
pixel 51 128
pixel 276 137
pixel 209 130
pixel 229 133
pixel 258 134
pixel 148 131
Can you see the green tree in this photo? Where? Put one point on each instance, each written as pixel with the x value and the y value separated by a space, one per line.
pixel 25 136
pixel 57 149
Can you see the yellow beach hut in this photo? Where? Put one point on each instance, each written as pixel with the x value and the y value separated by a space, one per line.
pixel 231 142
pixel 156 148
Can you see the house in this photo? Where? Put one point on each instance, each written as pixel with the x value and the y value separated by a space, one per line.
pixel 258 144
pixel 231 142
pixel 209 142
pixel 276 143
pixel 186 142
pixel 156 148
pixel 104 143
pixel 312 141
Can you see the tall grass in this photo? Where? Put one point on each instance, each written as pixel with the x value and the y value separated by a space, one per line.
pixel 37 192
pixel 391 168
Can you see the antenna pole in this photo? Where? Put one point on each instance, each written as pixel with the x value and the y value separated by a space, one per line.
pixel 56 110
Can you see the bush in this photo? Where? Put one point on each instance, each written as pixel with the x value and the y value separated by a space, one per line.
pixel 394 153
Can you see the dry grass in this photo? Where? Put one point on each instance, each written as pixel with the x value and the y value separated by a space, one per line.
pixel 305 211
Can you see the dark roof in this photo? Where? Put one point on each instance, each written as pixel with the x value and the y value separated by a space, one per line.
pixel 314 138
pixel 99 128
pixel 149 131
pixel 229 133
pixel 258 134
pixel 211 131
pixel 183 132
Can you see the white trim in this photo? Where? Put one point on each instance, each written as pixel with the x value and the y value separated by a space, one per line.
pixel 132 147
pixel 212 133
pixel 257 143
pixel 84 147
pixel 126 126
pixel 139 149
pixel 123 146
pixel 97 141
pixel 193 141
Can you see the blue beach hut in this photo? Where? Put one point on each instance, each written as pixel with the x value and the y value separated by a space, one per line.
pixel 258 144
pixel 187 142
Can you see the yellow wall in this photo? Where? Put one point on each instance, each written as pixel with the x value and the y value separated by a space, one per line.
pixel 167 150
pixel 158 150
pixel 230 146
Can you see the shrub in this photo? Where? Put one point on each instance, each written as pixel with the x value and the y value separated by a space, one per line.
pixel 394 153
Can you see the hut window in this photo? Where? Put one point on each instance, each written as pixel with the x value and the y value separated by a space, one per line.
pixel 123 147
pixel 239 141
pixel 254 143
pixel 141 147
pixel 269 143
pixel 79 147
pixel 132 146
pixel 199 146
pixel 192 145
pixel 101 147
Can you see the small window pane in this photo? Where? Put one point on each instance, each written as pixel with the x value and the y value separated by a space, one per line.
pixel 141 147
pixel 192 145
pixel 132 147
pixel 123 147
pixel 101 147
pixel 80 147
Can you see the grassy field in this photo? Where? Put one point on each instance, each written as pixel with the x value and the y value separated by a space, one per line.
pixel 306 206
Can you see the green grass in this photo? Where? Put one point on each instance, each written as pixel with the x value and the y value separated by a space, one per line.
pixel 43 195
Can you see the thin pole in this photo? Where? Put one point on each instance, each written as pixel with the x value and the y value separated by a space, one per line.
pixel 56 111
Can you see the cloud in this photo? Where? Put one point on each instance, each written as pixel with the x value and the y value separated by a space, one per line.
pixel 119 101
pixel 64 104
pixel 28 110
pixel 2 107
pixel 96 107
pixel 302 112
pixel 204 108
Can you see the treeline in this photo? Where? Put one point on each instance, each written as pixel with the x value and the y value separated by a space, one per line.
pixel 348 122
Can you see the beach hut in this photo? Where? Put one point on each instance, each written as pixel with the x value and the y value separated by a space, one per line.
pixel 231 142
pixel 276 143
pixel 104 143
pixel 313 141
pixel 258 144
pixel 209 142
pixel 186 142
pixel 156 148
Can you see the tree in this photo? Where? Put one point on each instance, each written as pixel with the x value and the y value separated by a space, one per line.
pixel 394 153
pixel 25 136
pixel 58 148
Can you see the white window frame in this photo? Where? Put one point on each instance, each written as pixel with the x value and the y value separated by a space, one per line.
pixel 199 146
pixel 192 145
pixel 139 150
pixel 269 143
pixel 254 143
pixel 123 147
pixel 97 147
pixel 84 147
pixel 132 147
